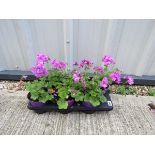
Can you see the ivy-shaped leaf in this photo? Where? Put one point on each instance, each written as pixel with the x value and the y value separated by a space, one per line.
pixel 62 104
pixel 103 99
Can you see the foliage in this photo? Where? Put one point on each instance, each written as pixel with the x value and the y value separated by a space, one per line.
pixel 125 90
pixel 38 91
pixel 151 92
pixel 85 82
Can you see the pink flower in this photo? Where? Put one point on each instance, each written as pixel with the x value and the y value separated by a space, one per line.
pixel 86 63
pixel 104 82
pixel 76 76
pixel 39 70
pixel 98 69
pixel 107 60
pixel 41 58
pixel 56 64
pixel 83 82
pixel 116 76
pixel 130 80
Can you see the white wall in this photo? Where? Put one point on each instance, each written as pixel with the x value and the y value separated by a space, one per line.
pixel 130 42
pixel 21 40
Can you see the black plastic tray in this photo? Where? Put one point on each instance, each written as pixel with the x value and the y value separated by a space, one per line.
pixel 106 106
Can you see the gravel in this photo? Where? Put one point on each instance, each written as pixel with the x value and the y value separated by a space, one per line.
pixel 138 90
pixel 12 86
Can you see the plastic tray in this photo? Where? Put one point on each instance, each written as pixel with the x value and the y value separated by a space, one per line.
pixel 48 107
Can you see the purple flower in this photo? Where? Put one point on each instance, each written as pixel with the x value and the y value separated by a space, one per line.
pixel 116 76
pixel 76 76
pixel 104 82
pixel 107 60
pixel 39 70
pixel 130 80
pixel 98 69
pixel 86 63
pixel 56 64
pixel 41 58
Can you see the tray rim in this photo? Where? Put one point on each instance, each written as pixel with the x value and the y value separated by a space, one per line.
pixel 102 107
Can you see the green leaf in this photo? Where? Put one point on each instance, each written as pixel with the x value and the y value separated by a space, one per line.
pixel 95 103
pixel 63 92
pixel 42 100
pixel 79 98
pixel 151 92
pixel 93 93
pixel 62 104
pixel 121 90
pixel 103 98
pixel 92 100
pixel 34 96
pixel 87 97
pixel 48 97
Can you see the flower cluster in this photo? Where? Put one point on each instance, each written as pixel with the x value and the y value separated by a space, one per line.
pixel 42 58
pixel 116 77
pixel 98 69
pixel 85 83
pixel 104 82
pixel 130 80
pixel 39 70
pixel 86 63
pixel 59 65
pixel 76 76
pixel 107 60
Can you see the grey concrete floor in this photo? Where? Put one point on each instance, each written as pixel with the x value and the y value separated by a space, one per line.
pixel 130 116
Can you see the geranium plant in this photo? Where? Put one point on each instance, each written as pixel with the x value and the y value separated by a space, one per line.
pixel 86 83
